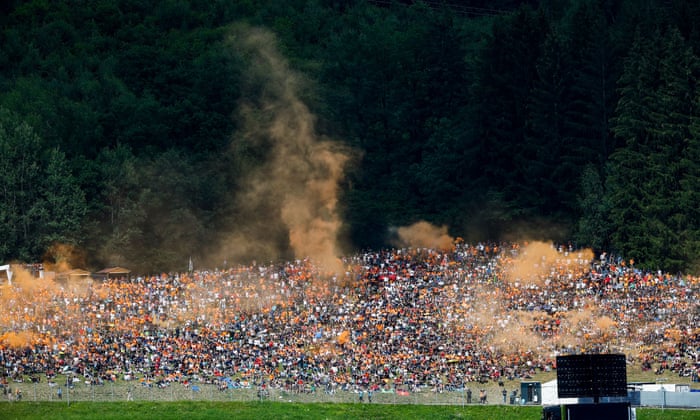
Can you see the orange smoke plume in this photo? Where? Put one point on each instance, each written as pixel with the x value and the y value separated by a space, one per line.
pixel 425 235
pixel 297 186
pixel 17 340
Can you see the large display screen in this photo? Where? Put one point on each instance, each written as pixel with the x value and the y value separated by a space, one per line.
pixel 592 375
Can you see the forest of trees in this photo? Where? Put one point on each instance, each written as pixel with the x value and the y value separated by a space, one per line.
pixel 135 132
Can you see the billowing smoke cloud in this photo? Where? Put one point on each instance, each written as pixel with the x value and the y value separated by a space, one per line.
pixel 63 257
pixel 424 235
pixel 16 340
pixel 293 193
pixel 537 261
pixel 26 300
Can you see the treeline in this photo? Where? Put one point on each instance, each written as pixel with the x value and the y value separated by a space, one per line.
pixel 564 120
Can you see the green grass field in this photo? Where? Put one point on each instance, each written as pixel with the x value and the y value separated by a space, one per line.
pixel 192 410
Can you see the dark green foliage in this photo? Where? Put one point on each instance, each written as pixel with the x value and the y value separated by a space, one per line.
pixel 120 135
pixel 507 72
pixel 401 96
pixel 647 183
pixel 594 225
pixel 40 201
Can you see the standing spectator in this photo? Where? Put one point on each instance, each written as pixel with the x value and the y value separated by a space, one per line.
pixel 482 396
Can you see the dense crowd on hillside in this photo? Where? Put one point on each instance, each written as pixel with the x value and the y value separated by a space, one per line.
pixel 397 319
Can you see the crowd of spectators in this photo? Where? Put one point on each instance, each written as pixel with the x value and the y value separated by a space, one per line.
pixel 396 320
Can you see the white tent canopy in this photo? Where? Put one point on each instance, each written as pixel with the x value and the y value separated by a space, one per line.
pixel 6 270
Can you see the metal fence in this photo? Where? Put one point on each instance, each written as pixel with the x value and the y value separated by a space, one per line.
pixel 134 391
pixel 123 391
pixel 669 399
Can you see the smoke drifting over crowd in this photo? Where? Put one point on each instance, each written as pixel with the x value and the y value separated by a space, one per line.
pixel 32 296
pixel 537 261
pixel 296 187
pixel 498 300
pixel 424 235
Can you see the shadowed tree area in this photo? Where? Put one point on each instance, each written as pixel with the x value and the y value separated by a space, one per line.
pixel 121 132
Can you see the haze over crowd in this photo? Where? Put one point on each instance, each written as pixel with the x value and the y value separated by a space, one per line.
pixel 399 319
pixel 431 311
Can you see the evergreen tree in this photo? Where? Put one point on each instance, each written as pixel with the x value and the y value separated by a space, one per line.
pixel 19 174
pixel 596 67
pixel 679 72
pixel 40 201
pixel 554 167
pixel 690 187
pixel 646 175
pixel 60 212
pixel 118 213
pixel 593 228
pixel 505 77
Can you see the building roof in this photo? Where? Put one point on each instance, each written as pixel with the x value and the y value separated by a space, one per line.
pixel 114 270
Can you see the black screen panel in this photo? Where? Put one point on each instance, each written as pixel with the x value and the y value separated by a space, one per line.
pixel 591 375
pixel 608 411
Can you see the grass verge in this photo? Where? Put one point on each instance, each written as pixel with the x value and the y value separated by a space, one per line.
pixel 192 410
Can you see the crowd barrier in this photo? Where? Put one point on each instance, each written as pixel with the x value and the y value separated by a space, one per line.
pixel 210 392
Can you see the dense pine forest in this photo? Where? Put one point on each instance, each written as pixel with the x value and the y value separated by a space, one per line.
pixel 143 133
